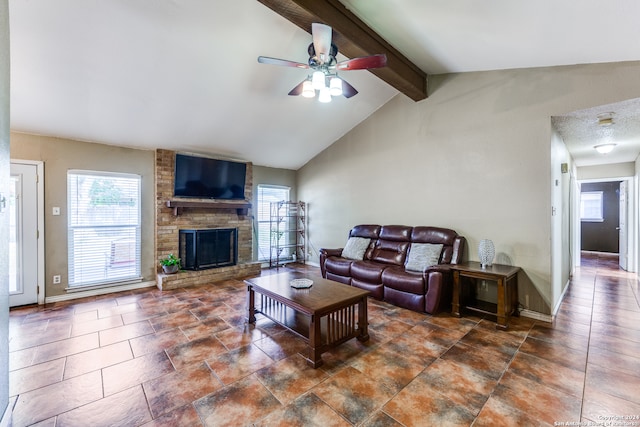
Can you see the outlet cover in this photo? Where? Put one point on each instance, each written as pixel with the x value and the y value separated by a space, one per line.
pixel 56 279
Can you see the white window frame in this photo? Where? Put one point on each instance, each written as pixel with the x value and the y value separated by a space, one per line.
pixel 107 256
pixel 589 213
pixel 263 218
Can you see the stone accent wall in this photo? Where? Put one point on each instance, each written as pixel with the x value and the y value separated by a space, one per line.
pixel 168 226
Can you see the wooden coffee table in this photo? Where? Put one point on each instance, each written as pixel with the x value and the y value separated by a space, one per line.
pixel 325 315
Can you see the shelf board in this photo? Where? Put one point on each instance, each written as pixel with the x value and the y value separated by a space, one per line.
pixel 242 208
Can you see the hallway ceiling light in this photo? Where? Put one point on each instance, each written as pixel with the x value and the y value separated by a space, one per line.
pixel 604 148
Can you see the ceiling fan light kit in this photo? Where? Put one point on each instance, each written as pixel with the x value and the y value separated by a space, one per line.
pixel 317 78
pixel 322 60
pixel 325 95
pixel 335 86
pixel 307 89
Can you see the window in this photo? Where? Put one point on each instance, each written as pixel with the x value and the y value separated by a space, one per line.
pixel 104 228
pixel 266 195
pixel 591 206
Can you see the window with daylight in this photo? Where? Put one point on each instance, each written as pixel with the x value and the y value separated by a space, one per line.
pixel 591 209
pixel 266 195
pixel 104 228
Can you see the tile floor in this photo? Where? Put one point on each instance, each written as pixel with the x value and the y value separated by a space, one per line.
pixel 187 358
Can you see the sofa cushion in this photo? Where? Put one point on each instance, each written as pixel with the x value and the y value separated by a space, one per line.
pixel 423 255
pixel 355 248
pixel 392 245
pixel 338 278
pixel 376 290
pixel 405 281
pixel 370 231
pixel 367 271
pixel 339 266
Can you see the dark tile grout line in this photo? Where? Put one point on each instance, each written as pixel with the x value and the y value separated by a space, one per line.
pixel 586 362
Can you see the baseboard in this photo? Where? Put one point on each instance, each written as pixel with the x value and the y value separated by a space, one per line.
pixel 537 316
pixel 564 291
pixel 100 291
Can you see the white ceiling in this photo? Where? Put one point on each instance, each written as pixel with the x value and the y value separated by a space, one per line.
pixel 183 74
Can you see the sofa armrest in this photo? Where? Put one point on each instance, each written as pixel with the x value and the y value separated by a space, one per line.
pixel 326 253
pixel 331 252
pixel 439 281
pixel 441 268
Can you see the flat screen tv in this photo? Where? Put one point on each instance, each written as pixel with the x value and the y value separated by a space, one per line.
pixel 208 178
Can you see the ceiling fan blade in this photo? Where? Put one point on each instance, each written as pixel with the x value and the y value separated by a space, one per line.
pixel 281 62
pixel 297 90
pixel 347 90
pixel 363 62
pixel 321 40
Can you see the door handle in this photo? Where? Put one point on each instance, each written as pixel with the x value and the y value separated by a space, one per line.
pixel 3 202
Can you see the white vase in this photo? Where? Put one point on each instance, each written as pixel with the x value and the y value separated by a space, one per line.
pixel 486 252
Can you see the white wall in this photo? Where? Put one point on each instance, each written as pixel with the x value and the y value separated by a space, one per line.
pixel 562 184
pixel 607 171
pixel 4 214
pixel 475 156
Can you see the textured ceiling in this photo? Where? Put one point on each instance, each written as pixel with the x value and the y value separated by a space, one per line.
pixel 581 131
pixel 182 74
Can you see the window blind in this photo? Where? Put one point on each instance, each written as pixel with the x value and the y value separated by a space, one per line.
pixel 104 228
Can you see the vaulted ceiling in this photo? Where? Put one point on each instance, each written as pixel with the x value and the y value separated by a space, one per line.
pixel 183 74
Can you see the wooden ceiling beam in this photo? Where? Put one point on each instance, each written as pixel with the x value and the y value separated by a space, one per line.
pixel 354 38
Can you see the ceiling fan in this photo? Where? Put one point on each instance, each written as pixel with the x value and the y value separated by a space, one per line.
pixel 322 60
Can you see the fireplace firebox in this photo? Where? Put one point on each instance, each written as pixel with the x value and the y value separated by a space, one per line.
pixel 208 248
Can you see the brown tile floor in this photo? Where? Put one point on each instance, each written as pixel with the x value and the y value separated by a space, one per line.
pixel 187 358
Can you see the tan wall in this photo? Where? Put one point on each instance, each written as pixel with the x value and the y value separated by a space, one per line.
pixel 274 176
pixel 59 155
pixel 474 156
pixel 270 176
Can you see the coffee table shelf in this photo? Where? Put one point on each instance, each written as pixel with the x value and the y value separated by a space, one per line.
pixel 325 315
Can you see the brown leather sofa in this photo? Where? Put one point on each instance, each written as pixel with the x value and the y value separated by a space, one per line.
pixel 382 271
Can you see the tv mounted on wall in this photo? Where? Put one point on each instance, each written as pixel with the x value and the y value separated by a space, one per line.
pixel 208 178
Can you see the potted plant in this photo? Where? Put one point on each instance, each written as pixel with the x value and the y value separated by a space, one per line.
pixel 170 264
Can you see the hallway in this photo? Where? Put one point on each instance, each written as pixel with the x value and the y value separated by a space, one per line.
pixel 601 306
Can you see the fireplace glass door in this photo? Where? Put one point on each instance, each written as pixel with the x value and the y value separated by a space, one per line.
pixel 208 248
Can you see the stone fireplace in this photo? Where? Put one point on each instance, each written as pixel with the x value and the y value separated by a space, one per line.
pixel 196 214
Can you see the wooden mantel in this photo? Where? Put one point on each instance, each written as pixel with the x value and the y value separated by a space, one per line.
pixel 177 205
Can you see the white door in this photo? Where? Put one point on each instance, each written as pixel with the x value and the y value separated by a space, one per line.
pixel 622 228
pixel 23 235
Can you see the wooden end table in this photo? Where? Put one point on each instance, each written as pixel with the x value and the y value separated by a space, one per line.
pixel 325 315
pixel 506 276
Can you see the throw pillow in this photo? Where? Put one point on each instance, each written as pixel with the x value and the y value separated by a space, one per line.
pixel 355 248
pixel 422 256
